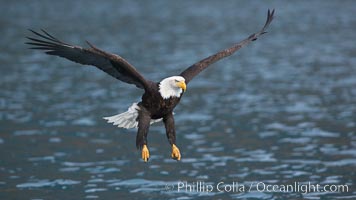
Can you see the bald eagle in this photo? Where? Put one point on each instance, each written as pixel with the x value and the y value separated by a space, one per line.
pixel 159 98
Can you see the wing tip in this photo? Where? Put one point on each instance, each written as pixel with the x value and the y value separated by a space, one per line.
pixel 270 17
pixel 270 12
pixel 44 35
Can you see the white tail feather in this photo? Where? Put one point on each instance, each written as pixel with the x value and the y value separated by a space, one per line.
pixel 128 119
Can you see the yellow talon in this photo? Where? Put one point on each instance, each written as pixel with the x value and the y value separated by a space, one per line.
pixel 175 152
pixel 145 153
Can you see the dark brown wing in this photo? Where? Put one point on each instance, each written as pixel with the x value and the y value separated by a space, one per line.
pixel 112 64
pixel 195 69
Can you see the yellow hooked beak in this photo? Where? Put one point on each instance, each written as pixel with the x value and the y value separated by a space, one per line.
pixel 182 85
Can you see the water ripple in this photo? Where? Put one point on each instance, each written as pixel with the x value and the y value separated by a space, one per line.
pixel 48 183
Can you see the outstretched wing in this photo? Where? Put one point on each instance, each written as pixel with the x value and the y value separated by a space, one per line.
pixel 112 64
pixel 195 69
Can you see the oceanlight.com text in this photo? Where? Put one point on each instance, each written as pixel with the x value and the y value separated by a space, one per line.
pixel 236 187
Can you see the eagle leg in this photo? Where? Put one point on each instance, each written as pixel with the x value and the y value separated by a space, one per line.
pixel 171 135
pixel 144 120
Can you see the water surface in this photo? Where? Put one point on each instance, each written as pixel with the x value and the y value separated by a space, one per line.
pixel 281 111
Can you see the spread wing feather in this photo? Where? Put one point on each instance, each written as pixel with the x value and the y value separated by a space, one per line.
pixel 195 69
pixel 112 64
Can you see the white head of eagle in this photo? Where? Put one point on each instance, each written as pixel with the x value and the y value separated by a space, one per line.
pixel 172 87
